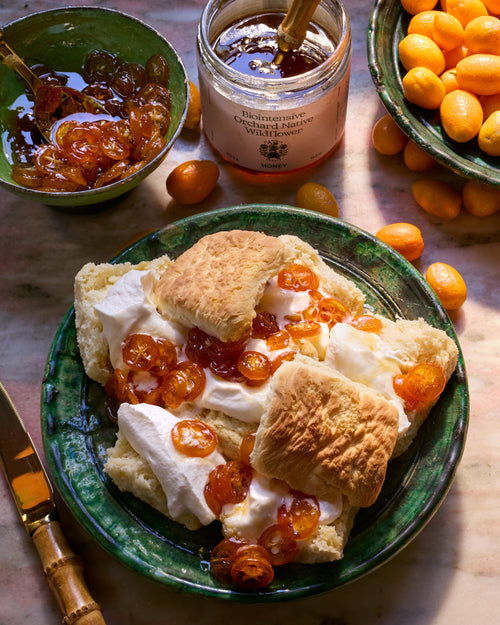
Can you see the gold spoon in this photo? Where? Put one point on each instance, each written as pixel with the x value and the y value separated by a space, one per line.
pixel 293 29
pixel 52 102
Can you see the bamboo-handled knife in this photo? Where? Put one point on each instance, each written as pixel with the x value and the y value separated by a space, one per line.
pixel 35 501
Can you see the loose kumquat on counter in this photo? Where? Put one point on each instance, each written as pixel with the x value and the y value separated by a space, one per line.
pixel 448 285
pixel 417 159
pixel 193 114
pixel 437 198
pixel 387 136
pixel 193 181
pixel 314 196
pixel 404 238
pixel 479 199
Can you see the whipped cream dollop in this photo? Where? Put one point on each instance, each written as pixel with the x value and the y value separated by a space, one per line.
pixel 240 401
pixel 366 358
pixel 128 308
pixel 259 510
pixel 183 478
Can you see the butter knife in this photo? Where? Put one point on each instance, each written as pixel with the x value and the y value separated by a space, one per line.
pixel 34 499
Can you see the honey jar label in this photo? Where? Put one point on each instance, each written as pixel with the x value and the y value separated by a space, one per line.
pixel 274 140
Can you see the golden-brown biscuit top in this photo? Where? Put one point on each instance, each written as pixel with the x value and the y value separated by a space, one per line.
pixel 322 432
pixel 216 284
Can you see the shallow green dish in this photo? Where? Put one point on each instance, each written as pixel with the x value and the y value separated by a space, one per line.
pixel 388 25
pixel 76 431
pixel 62 38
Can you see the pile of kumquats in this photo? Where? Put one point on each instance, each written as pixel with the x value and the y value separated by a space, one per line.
pixel 452 60
pixel 451 57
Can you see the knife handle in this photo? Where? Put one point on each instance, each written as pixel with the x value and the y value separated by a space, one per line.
pixel 64 572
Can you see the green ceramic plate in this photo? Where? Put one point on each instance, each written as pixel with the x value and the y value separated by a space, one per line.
pixel 388 25
pixel 76 431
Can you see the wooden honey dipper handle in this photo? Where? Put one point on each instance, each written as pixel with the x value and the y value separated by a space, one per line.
pixel 64 572
pixel 293 28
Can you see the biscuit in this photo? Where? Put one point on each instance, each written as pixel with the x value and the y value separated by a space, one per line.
pixel 322 433
pixel 216 284
pixel 92 283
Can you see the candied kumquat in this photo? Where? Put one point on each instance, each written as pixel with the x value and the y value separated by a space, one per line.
pixel 254 365
pixel 301 518
pixel 425 382
pixel 303 329
pixel 367 323
pixel 194 438
pixel 183 384
pixel 252 568
pixel 410 403
pixel 278 340
pixel 222 558
pixel 246 447
pixel 119 387
pixel 279 544
pixel 298 278
pixel 140 352
pixel 331 311
pixel 227 483
pixel 280 359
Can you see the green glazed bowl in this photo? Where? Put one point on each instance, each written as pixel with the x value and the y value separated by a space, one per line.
pixel 76 430
pixel 62 38
pixel 388 25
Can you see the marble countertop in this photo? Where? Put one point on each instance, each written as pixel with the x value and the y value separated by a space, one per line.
pixel 450 573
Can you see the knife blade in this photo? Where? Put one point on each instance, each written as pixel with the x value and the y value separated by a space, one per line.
pixel 34 499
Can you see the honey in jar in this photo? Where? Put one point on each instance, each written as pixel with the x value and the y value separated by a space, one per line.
pixel 268 117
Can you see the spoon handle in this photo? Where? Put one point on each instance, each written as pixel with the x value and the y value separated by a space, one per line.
pixel 293 28
pixel 14 62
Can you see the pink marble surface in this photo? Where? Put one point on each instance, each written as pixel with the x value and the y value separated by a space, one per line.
pixel 451 572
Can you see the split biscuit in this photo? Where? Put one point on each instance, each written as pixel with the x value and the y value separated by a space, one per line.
pixel 323 433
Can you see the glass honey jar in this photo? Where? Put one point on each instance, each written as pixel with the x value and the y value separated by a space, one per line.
pixel 265 117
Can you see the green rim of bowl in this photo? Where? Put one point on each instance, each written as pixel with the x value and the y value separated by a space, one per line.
pixel 76 430
pixel 387 27
pixel 84 29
